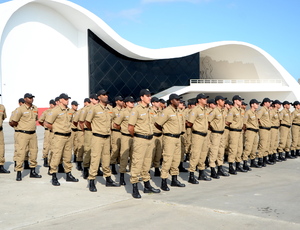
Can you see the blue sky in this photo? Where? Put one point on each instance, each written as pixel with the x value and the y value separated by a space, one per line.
pixel 272 25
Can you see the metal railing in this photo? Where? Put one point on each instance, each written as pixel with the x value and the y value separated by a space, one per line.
pixel 236 81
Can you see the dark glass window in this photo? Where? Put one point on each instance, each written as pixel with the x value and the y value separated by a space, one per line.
pixel 125 76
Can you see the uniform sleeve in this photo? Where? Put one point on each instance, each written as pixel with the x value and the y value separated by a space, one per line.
pixel 245 117
pixel 76 116
pixel 82 114
pixel 43 116
pixel 211 116
pixel 281 116
pixel 51 116
pixel 229 117
pixel 16 116
pixel 90 115
pixel 259 114
pixel 119 118
pixel 163 118
pixel 192 116
pixel 133 117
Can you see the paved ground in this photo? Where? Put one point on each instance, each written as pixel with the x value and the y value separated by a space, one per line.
pixel 265 198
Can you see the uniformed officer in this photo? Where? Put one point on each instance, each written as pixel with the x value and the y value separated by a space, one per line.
pixel 170 123
pixel 228 106
pixel 121 123
pixel 285 130
pixel 162 103
pixel 274 132
pixel 98 120
pixel 251 128
pixel 198 122
pixel 116 135
pixel 234 120
pixel 2 149
pixel 46 143
pixel 59 121
pixel 24 119
pixel 188 140
pixel 295 147
pixel 181 110
pixel 216 120
pixel 140 127
pixel 74 133
pixel 155 112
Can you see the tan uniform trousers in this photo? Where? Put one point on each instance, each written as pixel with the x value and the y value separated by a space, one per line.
pixel 80 146
pixel 235 147
pixel 295 137
pixel 16 149
pixel 2 158
pixel 215 151
pixel 100 152
pixel 87 148
pixel 125 152
pixel 141 159
pixel 171 156
pixel 251 143
pixel 182 147
pixel 46 143
pixel 51 134
pixel 25 141
pixel 274 133
pixel 264 143
pixel 115 146
pixel 188 140
pixel 61 149
pixel 74 135
pixel 285 139
pixel 198 152
pixel 157 151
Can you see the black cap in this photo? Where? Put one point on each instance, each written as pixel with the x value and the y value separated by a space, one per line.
pixel 52 102
pixel 254 101
pixel 29 95
pixel 220 98
pixel 21 100
pixel 244 103
pixel 94 96
pixel 211 101
pixel 174 96
pixel 129 99
pixel 119 98
pixel 296 103
pixel 56 99
pixel 162 101
pixel 87 100
pixel 74 103
pixel 182 101
pixel 64 96
pixel 276 102
pixel 237 97
pixel 102 92
pixel 266 99
pixel 228 102
pixel 145 92
pixel 201 95
pixel 154 99
pixel 286 103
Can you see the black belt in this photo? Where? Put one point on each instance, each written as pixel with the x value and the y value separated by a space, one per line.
pixel 288 126
pixel 63 134
pixel 172 135
pixel 126 134
pixel 254 130
pixel 149 137
pixel 235 130
pixel 182 133
pixel 267 128
pixel 86 129
pixel 215 131
pixel 116 130
pixel 1 128
pixel 199 133
pixel 157 134
pixel 100 135
pixel 274 127
pixel 46 129
pixel 226 127
pixel 293 124
pixel 74 130
pixel 27 132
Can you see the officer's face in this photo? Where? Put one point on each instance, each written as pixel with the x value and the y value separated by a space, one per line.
pixel 75 107
pixel 221 102
pixel 103 98
pixel 238 102
pixel 63 101
pixel 28 100
pixel 146 99
pixel 298 106
pixel 175 102
pixel 120 103
pixel 267 104
pixel 130 104
pixel 52 106
pixel 203 101
pixel 156 104
pixel 255 106
pixel 287 106
pixel 278 106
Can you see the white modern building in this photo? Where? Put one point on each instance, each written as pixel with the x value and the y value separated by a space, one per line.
pixel 52 46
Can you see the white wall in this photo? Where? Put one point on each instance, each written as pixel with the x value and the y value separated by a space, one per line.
pixel 43 54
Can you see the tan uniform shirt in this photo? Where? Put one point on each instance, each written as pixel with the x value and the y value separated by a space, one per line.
pixel 285 117
pixel 263 115
pixel 235 117
pixel 115 113
pixel 141 119
pixel 296 116
pixel 123 119
pixel 60 118
pixel 182 120
pixel 76 117
pixel 217 119
pixel 84 112
pixel 100 118
pixel 274 117
pixel 198 117
pixel 26 117
pixel 2 114
pixel 73 115
pixel 170 120
pixel 250 119
pixel 155 115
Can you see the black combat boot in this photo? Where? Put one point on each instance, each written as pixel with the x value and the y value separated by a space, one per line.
pixel 74 158
pixel 276 158
pixel 192 179
pixel 221 171
pixel 33 174
pixel 19 176
pixel 85 173
pixel 293 153
pixel 288 156
pixel 61 168
pixel 254 164
pixel 239 168
pixel 110 182
pixel 260 162
pixel 113 169
pixel 135 191
pixel 175 182
pixel 156 172
pixel 298 152
pixel 246 166
pixel 264 164
pixel 122 179
pixel 271 159
pixel 46 162
pixel 149 189
pixel 79 166
pixel 181 168
pixel 231 169
pixel 26 165
pixel 187 157
pixel 164 185
pixel 203 176
pixel 281 157
pixel 92 186
pixel 54 180
pixel 213 173
pixel 3 170
pixel 267 161
pixel 70 177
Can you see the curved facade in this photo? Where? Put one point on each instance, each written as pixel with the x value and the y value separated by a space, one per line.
pixel 53 46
